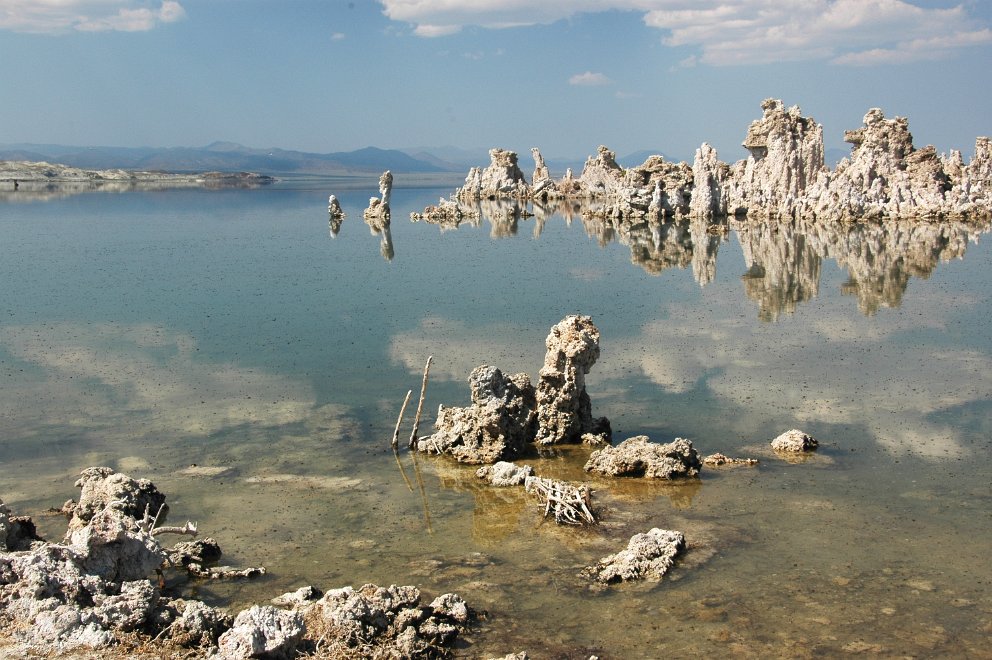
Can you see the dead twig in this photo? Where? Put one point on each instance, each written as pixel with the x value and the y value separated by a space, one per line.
pixel 420 404
pixel 396 432
pixel 569 504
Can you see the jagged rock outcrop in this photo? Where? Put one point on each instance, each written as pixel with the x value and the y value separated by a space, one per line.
pixel 81 593
pixel 335 216
pixel 262 631
pixel 386 621
pixel 93 592
pixel 507 412
pixel 648 556
pixel 786 157
pixel 377 215
pixel 794 441
pixel 101 488
pixel 385 187
pixel 784 177
pixel 496 426
pixel 564 410
pixel 543 186
pixel 448 214
pixel 502 178
pixel 639 457
pixel 709 176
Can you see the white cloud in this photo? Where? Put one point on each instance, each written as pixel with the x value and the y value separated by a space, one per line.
pixel 138 381
pixel 725 32
pixel 61 16
pixel 589 79
pixel 436 30
pixel 337 36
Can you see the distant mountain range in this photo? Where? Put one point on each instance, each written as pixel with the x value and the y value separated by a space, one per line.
pixel 231 157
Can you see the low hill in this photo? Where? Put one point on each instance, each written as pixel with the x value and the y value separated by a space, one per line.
pixel 226 157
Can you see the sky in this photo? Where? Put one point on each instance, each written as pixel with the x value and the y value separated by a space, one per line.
pixel 561 75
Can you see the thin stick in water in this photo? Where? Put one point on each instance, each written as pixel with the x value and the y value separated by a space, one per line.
pixel 396 432
pixel 420 404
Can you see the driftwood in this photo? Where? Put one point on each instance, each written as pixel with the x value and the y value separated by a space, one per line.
pixel 420 404
pixel 569 504
pixel 396 431
pixel 226 572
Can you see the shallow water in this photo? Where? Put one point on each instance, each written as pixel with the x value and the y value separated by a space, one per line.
pixel 225 346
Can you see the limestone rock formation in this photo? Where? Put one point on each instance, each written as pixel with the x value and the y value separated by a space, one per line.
pixel 709 174
pixel 639 457
pixel 505 473
pixel 786 157
pixel 718 459
pixel 543 184
pixel 564 410
pixel 794 441
pixel 448 214
pixel 262 631
pixel 335 216
pixel 496 426
pixel 648 556
pixel 385 187
pixel 502 178
pixel 377 215
pixel 783 177
pixel 102 488
pixel 92 592
pixel 386 621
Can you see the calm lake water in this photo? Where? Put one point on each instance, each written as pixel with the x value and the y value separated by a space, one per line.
pixel 224 345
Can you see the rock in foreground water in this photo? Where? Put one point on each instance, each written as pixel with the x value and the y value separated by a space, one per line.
pixel 639 457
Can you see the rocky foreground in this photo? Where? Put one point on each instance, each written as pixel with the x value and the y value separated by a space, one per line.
pixel 784 176
pixel 95 594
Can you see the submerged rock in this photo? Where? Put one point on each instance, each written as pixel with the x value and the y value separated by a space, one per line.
pixel 639 457
pixel 564 411
pixel 496 426
pixel 505 473
pixel 718 459
pixel 794 441
pixel 648 556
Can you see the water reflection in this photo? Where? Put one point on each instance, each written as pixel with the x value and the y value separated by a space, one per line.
pixel 784 259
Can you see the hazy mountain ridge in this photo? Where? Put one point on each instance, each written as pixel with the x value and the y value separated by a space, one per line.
pixel 227 157
pixel 232 157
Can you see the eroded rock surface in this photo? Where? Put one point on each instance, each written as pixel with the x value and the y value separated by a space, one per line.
pixel 93 592
pixel 648 556
pixel 262 631
pixel 794 441
pixel 496 426
pixel 639 457
pixel 784 176
pixel 102 488
pixel 564 410
pixel 386 621
pixel 505 473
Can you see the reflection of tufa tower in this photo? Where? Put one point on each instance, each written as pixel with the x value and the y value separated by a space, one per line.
pixel 782 268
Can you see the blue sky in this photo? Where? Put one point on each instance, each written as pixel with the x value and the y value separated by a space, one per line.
pixel 563 76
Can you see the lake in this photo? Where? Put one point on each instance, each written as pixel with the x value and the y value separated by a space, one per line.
pixel 226 346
